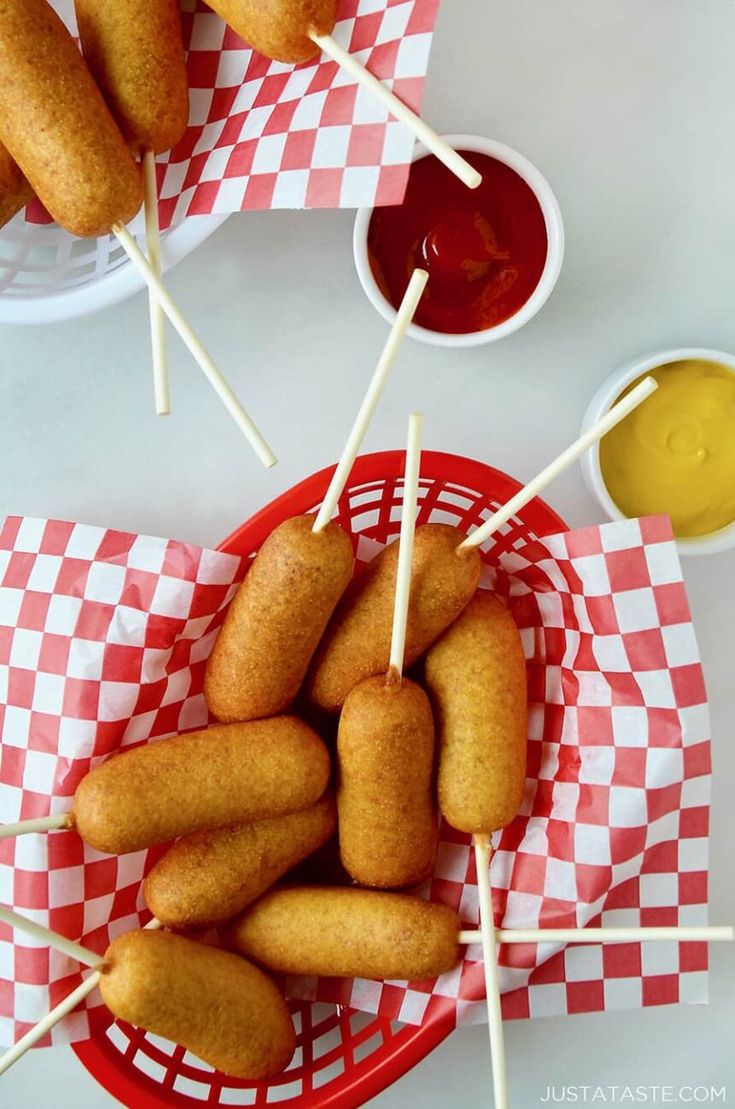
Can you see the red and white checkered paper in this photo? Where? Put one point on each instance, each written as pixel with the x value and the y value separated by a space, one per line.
pixel 103 640
pixel 267 135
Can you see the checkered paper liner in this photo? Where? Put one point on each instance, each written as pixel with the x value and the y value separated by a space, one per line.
pixel 267 135
pixel 103 641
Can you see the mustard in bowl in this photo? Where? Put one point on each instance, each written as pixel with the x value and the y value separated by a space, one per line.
pixel 676 453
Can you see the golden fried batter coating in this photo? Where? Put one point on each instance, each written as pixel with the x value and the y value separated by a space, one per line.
pixel 276 620
pixel 349 933
pixel 280 28
pixel 227 774
pixel 211 876
pixel 57 127
pixel 356 644
pixel 210 1001
pixel 476 676
pixel 135 52
pixel 388 820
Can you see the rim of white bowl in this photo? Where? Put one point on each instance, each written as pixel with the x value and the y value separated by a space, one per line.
pixel 123 282
pixel 554 257
pixel 601 402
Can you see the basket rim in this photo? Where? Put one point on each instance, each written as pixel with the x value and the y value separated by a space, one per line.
pixel 377 466
pixel 100 293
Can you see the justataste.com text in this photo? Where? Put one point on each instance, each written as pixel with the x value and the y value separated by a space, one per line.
pixel 635 1095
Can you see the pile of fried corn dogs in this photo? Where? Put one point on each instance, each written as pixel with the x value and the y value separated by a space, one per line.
pixel 247 799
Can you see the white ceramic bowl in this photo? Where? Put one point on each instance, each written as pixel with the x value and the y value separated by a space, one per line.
pixel 554 232
pixel 602 401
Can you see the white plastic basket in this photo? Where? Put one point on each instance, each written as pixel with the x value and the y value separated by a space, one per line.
pixel 47 275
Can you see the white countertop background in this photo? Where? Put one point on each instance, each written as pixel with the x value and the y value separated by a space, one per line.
pixel 628 107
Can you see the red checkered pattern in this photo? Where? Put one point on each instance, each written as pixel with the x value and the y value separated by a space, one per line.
pixel 103 640
pixel 267 135
pixel 614 822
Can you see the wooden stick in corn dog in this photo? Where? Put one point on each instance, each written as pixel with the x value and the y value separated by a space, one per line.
pixel 174 787
pixel 482 850
pixel 334 931
pixel 617 413
pixel 405 314
pixel 476 678
pixel 135 52
pixel 388 822
pixel 278 616
pixel 360 933
pixel 52 1018
pixel 161 384
pixel 706 933
pixel 51 939
pixel 296 30
pixel 215 1004
pixel 195 346
pixel 356 643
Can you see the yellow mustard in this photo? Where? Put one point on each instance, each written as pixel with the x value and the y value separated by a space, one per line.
pixel 675 454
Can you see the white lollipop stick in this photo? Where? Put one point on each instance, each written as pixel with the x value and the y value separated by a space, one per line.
pixel 13 1054
pixel 57 1013
pixel 158 323
pixel 433 142
pixel 622 409
pixel 406 312
pixel 685 934
pixel 194 344
pixel 405 546
pixel 53 939
pixel 38 824
pixel 490 961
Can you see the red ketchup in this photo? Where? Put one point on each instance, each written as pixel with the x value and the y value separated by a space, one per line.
pixel 484 249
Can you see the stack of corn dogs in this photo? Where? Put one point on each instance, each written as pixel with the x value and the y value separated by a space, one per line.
pixel 249 798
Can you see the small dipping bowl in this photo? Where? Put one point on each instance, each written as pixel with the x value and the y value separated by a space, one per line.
pixel 671 442
pixel 462 257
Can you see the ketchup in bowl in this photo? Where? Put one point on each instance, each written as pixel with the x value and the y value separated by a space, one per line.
pixel 485 249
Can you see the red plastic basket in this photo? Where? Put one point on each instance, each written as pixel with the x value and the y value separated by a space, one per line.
pixel 343 1057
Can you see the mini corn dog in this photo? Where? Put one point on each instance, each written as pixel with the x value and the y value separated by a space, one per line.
pixel 476 677
pixel 276 620
pixel 280 29
pixel 349 933
pixel 388 823
pixel 57 127
pixel 356 644
pixel 136 55
pixel 222 775
pixel 213 1003
pixel 211 876
pixel 15 192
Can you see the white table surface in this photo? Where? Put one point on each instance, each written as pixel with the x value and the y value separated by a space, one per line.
pixel 628 106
